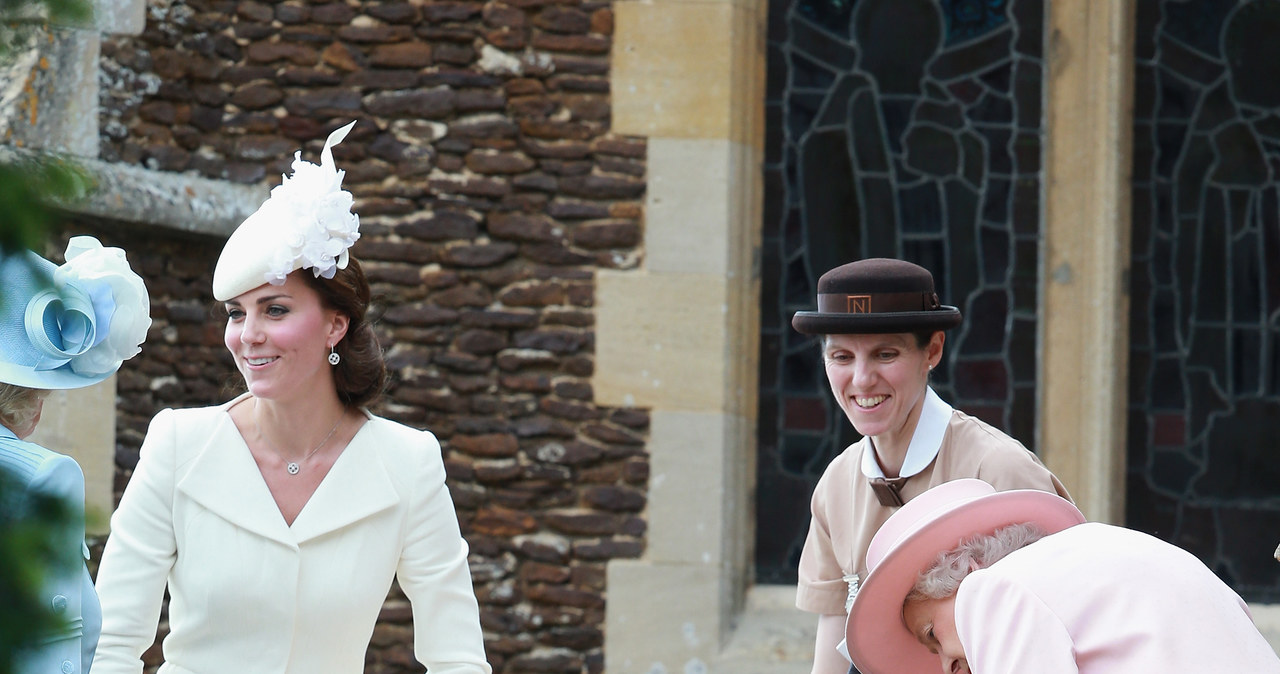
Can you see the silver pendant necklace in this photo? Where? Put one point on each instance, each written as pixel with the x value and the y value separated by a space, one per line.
pixel 293 466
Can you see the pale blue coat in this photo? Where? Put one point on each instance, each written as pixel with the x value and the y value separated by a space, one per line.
pixel 71 593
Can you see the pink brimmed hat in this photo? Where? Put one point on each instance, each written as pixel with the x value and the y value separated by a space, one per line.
pixel 910 540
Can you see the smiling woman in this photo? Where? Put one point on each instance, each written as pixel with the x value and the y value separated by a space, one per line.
pixel 882 329
pixel 278 521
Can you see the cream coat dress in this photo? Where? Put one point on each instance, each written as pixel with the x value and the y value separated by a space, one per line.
pixel 250 594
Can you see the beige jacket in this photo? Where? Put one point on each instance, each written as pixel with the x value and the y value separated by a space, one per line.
pixel 846 512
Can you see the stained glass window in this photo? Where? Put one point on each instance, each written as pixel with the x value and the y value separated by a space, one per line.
pixel 1204 387
pixel 896 128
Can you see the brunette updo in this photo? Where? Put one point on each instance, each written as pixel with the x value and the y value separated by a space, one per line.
pixel 361 375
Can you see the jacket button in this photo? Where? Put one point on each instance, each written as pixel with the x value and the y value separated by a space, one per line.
pixel 67 667
pixel 59 604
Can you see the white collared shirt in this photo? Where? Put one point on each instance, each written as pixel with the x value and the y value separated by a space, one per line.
pixel 925 441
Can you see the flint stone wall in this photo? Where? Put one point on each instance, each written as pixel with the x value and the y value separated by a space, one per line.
pixel 490 189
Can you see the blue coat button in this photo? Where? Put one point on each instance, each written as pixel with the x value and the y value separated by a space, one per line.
pixel 59 603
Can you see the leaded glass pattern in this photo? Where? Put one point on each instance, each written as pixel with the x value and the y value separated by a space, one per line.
pixel 896 128
pixel 1204 387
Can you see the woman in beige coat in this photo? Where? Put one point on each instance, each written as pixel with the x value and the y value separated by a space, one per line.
pixel 278 520
pixel 881 327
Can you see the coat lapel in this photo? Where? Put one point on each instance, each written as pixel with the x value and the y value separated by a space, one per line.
pixel 224 479
pixel 357 486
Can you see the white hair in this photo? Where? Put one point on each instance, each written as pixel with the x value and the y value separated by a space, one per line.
pixel 942 579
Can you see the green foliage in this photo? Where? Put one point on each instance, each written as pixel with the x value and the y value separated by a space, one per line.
pixel 20 20
pixel 28 547
pixel 27 189
pixel 29 550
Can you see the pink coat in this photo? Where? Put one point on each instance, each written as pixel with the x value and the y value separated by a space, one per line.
pixel 1098 599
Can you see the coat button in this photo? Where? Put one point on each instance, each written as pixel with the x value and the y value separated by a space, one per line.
pixel 67 667
pixel 59 604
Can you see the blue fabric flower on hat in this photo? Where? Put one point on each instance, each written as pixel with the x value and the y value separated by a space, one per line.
pixel 69 326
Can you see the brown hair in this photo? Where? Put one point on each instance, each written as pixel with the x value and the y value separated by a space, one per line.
pixel 361 375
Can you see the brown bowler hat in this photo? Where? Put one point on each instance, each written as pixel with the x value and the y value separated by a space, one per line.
pixel 876 295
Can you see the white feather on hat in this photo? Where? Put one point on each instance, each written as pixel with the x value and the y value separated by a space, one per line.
pixel 306 223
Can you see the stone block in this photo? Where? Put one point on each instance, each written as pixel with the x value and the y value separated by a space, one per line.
pixel 677 72
pixel 334 13
pixel 607 234
pixel 662 617
pixel 609 548
pixel 81 424
pixel 660 340
pixel 560 19
pixel 120 17
pixel 55 87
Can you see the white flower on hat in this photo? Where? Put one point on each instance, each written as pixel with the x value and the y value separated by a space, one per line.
pixel 317 212
pixel 306 223
pixel 121 305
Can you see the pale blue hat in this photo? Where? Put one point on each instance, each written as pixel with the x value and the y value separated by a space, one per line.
pixel 69 326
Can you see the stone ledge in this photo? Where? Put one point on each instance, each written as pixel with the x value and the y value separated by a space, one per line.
pixel 120 17
pixel 172 200
pixel 771 636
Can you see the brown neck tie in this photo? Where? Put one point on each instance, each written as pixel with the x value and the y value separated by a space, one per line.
pixel 888 490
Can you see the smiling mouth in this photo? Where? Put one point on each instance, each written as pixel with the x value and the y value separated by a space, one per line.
pixel 870 402
pixel 259 361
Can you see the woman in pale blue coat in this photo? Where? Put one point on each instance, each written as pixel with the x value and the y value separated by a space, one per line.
pixel 60 328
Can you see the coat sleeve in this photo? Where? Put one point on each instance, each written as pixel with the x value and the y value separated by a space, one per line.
pixel 139 555
pixel 1006 629
pixel 821 587
pixel 59 477
pixel 434 575
pixel 1006 465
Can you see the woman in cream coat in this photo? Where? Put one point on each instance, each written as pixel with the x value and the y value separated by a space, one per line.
pixel 278 520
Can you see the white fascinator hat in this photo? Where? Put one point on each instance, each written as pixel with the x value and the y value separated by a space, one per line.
pixel 306 223
pixel 69 326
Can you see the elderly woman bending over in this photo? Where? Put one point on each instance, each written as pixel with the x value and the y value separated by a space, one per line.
pixel 987 582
